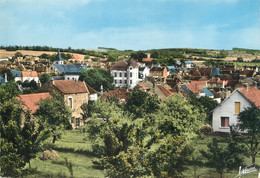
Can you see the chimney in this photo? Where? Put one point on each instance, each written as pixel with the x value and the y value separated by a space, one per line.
pixel 6 78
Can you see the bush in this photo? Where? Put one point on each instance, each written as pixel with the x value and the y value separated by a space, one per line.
pixel 49 155
pixel 206 129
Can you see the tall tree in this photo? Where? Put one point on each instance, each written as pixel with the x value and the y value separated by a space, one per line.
pixel 20 138
pixel 249 121
pixel 53 115
pixel 140 103
pixel 97 77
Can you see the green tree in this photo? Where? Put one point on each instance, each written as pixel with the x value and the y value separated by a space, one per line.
pixel 45 78
pixel 9 74
pixel 249 121
pixel 204 104
pixel 20 139
pixel 53 115
pixel 139 55
pixel 8 91
pixel 30 87
pixel 97 77
pixel 140 103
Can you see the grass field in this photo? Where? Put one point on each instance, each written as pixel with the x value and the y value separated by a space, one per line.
pixel 77 150
pixel 241 64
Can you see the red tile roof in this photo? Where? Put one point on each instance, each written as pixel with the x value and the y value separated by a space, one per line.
pixel 142 86
pixel 253 94
pixel 194 88
pixel 70 86
pixel 199 83
pixel 147 60
pixel 31 101
pixel 29 74
pixel 118 93
pixel 164 91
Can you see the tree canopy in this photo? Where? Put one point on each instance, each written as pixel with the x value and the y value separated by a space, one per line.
pixel 97 77
pixel 249 121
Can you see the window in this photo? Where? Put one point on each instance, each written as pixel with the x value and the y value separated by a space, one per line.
pixel 125 81
pixel 237 107
pixel 130 81
pixel 125 74
pixel 70 102
pixel 130 74
pixel 120 74
pixel 224 121
pixel 115 81
pixel 77 122
pixel 120 81
pixel 115 74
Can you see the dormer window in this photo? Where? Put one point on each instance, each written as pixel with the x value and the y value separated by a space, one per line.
pixel 130 68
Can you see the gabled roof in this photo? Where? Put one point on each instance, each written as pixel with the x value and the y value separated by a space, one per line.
pixel 194 88
pixel 29 74
pixel 142 86
pixel 157 69
pixel 90 89
pixel 199 83
pixel 207 92
pixel 31 101
pixel 164 91
pixel 118 93
pixel 16 73
pixel 122 65
pixel 69 68
pixel 147 60
pixel 252 94
pixel 70 86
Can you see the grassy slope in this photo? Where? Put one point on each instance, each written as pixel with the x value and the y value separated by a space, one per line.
pixel 77 151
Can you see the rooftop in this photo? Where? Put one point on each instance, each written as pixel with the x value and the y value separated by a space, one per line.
pixel 253 94
pixel 70 86
pixel 31 101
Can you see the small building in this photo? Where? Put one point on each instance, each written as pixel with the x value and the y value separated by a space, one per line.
pixel 29 76
pixel 17 75
pixel 159 73
pixel 226 113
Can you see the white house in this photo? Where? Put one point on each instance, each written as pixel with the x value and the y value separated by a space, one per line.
pixel 226 113
pixel 143 73
pixel 29 75
pixel 125 73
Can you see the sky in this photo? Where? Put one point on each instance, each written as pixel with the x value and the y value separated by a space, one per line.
pixel 131 24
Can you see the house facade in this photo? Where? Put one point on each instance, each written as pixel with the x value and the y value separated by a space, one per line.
pixel 29 76
pixel 74 93
pixel 226 113
pixel 125 73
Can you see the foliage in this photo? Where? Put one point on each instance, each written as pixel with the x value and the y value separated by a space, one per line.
pixel 45 78
pixel 155 145
pixel 205 105
pixel 215 62
pixel 249 121
pixel 97 77
pixel 30 87
pixel 53 115
pixel 20 138
pixel 225 158
pixel 140 103
pixel 239 59
pixel 8 91
pixel 139 55
pixel 9 74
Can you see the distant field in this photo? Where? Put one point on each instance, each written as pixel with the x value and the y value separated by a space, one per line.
pixel 78 152
pixel 240 64
pixel 5 54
